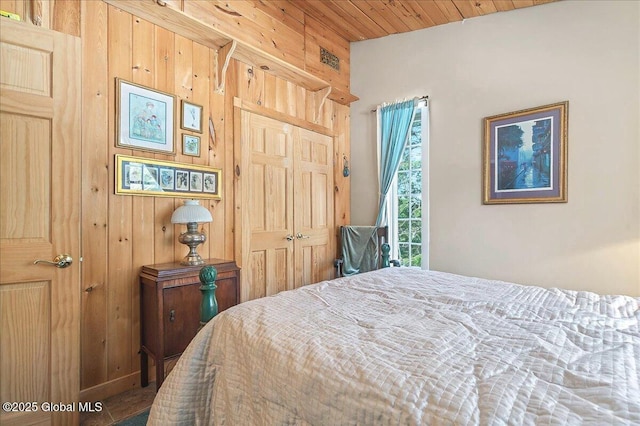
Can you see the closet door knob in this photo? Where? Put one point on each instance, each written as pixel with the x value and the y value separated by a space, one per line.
pixel 60 261
pixel 289 237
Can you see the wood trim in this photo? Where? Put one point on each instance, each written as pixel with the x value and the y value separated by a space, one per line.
pixel 200 32
pixel 224 56
pixel 36 13
pixel 286 118
pixel 113 387
pixel 323 94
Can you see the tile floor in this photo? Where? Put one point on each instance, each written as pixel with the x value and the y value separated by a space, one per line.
pixel 121 406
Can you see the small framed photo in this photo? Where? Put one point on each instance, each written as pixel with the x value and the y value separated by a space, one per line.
pixel 133 176
pixel 144 118
pixel 211 183
pixel 182 180
pixel 525 156
pixel 195 183
pixel 150 178
pixel 191 145
pixel 191 117
pixel 167 176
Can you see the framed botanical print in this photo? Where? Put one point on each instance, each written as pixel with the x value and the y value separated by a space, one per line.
pixel 191 117
pixel 191 145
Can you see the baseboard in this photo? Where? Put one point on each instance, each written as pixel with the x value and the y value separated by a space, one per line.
pixel 113 387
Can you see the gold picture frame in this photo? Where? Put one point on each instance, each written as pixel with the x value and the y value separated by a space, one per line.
pixel 525 156
pixel 157 178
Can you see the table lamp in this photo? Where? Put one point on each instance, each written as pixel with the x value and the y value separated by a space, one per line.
pixel 192 213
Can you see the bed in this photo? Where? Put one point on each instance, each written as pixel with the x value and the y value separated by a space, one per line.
pixel 404 346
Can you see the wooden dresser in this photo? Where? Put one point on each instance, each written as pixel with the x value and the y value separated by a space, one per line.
pixel 170 300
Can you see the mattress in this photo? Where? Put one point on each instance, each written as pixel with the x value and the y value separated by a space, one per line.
pixel 404 346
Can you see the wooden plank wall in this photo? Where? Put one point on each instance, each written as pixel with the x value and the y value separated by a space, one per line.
pixel 59 15
pixel 122 233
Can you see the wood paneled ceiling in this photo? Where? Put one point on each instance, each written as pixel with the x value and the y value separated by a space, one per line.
pixel 357 20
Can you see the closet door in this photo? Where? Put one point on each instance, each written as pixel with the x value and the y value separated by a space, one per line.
pixel 313 207
pixel 284 205
pixel 264 191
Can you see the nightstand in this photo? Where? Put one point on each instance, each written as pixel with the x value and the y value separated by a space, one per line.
pixel 170 300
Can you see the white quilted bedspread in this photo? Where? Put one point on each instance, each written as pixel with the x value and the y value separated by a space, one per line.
pixel 402 346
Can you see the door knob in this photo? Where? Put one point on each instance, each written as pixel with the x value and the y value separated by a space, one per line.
pixel 60 261
pixel 289 237
pixel 300 236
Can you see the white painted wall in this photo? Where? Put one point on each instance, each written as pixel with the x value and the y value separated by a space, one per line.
pixel 586 52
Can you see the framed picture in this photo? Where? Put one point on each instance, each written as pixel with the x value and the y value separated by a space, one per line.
pixel 210 183
pixel 167 178
pixel 144 118
pixel 191 117
pixel 146 176
pixel 525 156
pixel 191 145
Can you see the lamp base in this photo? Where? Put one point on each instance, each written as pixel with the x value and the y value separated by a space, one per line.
pixel 191 260
pixel 192 238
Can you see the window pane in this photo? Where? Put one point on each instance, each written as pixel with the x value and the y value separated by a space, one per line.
pixel 403 208
pixel 415 137
pixel 416 206
pixel 403 183
pixel 404 161
pixel 416 182
pixel 416 129
pixel 404 254
pixel 416 157
pixel 416 259
pixel 416 231
pixel 403 231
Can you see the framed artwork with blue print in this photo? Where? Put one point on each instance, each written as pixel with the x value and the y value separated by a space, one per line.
pixel 525 156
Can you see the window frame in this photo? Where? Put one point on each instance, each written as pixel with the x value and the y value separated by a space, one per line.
pixel 392 196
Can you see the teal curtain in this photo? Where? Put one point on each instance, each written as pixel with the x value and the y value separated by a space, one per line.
pixel 394 122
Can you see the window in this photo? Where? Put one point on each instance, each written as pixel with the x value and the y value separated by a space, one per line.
pixel 407 202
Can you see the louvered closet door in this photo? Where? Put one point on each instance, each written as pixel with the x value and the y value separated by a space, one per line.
pixel 285 206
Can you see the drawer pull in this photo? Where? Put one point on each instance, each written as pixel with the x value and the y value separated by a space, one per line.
pixel 172 315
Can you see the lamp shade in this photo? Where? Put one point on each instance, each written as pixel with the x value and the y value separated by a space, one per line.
pixel 190 212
